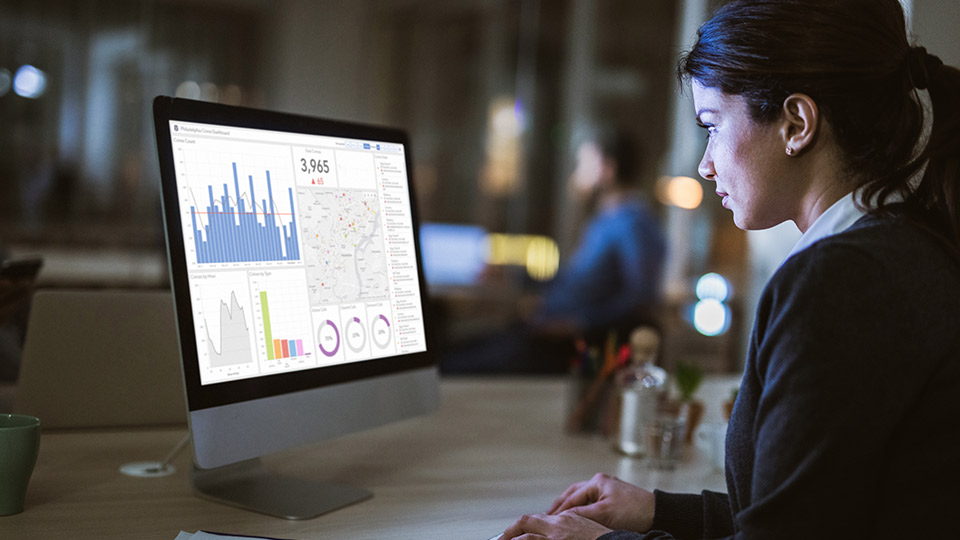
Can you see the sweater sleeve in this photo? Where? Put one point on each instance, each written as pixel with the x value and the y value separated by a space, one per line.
pixel 685 516
pixel 706 515
pixel 627 535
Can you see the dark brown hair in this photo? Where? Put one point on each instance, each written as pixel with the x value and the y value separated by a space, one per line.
pixel 621 146
pixel 853 58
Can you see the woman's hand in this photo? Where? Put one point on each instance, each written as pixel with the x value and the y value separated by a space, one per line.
pixel 562 526
pixel 608 501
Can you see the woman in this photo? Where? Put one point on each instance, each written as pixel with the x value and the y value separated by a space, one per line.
pixel 844 423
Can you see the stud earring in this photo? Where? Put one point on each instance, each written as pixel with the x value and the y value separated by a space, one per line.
pixel 790 151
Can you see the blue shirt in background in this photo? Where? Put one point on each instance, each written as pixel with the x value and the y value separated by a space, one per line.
pixel 615 275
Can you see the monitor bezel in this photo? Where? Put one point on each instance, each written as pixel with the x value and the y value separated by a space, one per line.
pixel 199 396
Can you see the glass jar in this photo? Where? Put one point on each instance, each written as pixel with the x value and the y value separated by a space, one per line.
pixel 642 391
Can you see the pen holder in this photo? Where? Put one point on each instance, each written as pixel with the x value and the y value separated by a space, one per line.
pixel 589 404
pixel 592 405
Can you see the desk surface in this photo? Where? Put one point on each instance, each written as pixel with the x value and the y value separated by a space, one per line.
pixel 495 450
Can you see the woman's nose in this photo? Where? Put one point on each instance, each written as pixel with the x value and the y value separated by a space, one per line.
pixel 706 168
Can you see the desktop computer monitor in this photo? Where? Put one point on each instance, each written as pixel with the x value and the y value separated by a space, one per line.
pixel 298 291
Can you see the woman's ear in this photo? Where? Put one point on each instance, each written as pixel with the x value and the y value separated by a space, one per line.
pixel 801 121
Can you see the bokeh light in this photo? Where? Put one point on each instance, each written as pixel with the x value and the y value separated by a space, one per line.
pixel 711 317
pixel 188 90
pixel 712 286
pixel 680 191
pixel 29 82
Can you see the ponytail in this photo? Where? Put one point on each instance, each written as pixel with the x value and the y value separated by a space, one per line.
pixel 939 190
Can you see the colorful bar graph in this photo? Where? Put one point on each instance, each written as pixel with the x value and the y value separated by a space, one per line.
pixel 267 331
pixel 277 348
pixel 233 233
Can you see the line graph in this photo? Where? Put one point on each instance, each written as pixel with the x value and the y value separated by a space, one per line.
pixel 224 325
pixel 233 347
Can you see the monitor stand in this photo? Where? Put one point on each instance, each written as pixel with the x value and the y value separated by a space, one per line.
pixel 249 485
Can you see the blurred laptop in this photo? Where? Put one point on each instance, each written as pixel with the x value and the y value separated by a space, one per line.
pixel 454 255
pixel 101 358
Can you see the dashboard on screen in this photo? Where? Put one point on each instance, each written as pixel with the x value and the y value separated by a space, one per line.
pixel 299 250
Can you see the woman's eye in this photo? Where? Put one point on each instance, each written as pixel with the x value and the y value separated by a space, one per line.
pixel 711 130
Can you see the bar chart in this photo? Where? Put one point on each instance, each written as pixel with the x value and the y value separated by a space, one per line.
pixel 277 348
pixel 285 333
pixel 236 228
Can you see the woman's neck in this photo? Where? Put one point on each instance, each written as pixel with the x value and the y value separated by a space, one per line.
pixel 826 183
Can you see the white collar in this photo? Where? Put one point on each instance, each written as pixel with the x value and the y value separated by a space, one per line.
pixel 841 215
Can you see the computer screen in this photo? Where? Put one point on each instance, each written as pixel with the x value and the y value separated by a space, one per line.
pixel 454 255
pixel 294 259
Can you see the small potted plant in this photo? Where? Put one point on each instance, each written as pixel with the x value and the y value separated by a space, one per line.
pixel 688 379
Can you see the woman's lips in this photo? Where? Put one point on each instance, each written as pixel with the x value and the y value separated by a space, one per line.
pixel 725 197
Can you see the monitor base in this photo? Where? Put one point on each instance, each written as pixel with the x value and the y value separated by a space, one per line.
pixel 250 486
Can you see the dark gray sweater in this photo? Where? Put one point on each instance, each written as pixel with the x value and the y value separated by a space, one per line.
pixel 847 423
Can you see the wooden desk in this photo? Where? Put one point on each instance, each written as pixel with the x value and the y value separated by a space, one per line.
pixel 495 451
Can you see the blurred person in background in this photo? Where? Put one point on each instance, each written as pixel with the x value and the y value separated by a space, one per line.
pixel 843 427
pixel 614 279
pixel 611 283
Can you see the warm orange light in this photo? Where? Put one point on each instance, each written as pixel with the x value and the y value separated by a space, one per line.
pixel 503 163
pixel 680 191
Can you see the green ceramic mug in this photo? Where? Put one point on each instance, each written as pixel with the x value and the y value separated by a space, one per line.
pixel 19 446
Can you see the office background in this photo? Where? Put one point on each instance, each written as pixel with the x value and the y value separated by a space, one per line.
pixel 494 93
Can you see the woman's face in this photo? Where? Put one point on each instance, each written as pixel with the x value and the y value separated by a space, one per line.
pixel 746 160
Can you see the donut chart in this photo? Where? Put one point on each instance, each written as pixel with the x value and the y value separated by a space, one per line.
pixel 328 333
pixel 356 335
pixel 380 331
